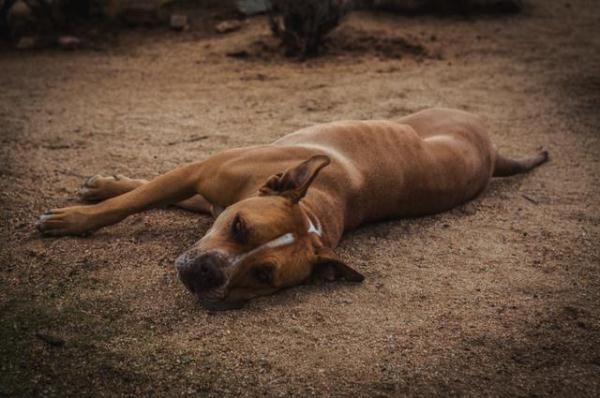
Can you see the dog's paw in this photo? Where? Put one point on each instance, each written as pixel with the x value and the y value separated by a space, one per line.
pixel 98 187
pixel 66 221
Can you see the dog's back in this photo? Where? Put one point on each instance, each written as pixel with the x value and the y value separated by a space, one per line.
pixel 426 163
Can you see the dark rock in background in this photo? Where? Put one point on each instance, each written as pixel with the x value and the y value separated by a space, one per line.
pixel 449 6
pixel 252 7
pixel 302 27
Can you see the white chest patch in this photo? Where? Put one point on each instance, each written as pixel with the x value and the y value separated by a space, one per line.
pixel 312 229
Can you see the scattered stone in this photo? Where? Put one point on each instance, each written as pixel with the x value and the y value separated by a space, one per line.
pixel 191 139
pixel 54 341
pixel 179 22
pixel 69 42
pixel 228 26
pixel 264 365
pixel 252 7
pixel 532 200
pixel 468 209
pixel 238 54
pixel 57 145
pixel 26 43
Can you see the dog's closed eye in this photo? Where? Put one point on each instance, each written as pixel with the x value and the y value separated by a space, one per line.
pixel 263 273
pixel 239 229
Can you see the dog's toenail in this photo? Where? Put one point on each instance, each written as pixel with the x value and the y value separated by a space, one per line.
pixel 90 182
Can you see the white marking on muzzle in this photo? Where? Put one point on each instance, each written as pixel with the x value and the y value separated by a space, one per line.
pixel 280 241
pixel 283 240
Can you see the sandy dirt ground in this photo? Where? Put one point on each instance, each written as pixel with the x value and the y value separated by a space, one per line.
pixel 500 297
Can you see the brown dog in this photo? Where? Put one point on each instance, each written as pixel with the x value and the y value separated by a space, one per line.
pixel 271 231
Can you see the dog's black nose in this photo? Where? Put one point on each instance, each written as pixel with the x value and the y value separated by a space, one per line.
pixel 202 272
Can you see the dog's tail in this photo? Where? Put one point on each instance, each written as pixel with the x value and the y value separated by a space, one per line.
pixel 506 167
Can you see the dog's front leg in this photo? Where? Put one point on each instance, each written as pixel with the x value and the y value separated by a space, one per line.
pixel 174 186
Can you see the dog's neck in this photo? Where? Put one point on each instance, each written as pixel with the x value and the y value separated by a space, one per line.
pixel 324 218
pixel 312 229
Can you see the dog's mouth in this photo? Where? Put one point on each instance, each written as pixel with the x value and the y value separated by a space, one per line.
pixel 208 277
pixel 214 298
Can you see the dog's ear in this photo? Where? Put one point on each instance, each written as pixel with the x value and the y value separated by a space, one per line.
pixel 328 266
pixel 294 182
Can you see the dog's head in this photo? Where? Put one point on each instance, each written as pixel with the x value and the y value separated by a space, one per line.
pixel 262 244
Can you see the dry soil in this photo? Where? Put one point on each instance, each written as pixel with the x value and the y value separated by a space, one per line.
pixel 499 298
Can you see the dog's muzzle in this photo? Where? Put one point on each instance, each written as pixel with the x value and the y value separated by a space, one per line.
pixel 201 273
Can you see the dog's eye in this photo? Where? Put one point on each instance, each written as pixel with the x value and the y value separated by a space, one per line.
pixel 239 231
pixel 263 273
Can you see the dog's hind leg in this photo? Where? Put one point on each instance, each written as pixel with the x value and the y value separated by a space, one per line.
pixel 173 187
pixel 99 188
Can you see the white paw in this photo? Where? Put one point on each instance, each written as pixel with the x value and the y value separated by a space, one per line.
pixel 51 223
pixel 98 187
pixel 66 221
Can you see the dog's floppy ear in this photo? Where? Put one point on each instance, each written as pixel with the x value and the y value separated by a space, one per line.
pixel 328 266
pixel 294 182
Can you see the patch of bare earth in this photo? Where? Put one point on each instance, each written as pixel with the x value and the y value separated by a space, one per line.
pixel 500 297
